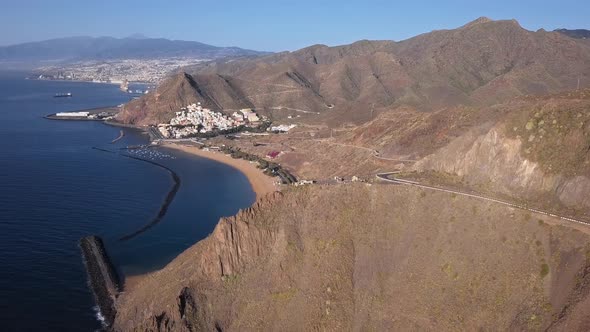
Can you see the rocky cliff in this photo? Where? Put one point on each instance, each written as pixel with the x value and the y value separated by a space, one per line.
pixel 540 151
pixel 496 160
pixel 171 304
pixel 361 257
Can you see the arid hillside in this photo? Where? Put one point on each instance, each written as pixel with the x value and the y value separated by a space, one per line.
pixel 180 90
pixel 479 64
pixel 371 257
pixel 484 113
pixel 539 151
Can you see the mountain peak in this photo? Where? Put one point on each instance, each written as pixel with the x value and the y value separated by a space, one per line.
pixel 485 20
pixel 479 20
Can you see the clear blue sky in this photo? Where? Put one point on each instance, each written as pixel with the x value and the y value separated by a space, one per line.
pixel 271 25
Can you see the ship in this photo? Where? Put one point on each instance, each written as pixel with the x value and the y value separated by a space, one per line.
pixel 66 94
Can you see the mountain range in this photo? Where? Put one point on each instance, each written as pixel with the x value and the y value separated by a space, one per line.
pixel 109 48
pixel 576 33
pixel 484 131
pixel 481 63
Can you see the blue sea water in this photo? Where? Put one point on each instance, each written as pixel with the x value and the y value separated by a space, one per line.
pixel 55 189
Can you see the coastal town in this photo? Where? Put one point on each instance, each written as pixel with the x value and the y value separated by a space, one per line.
pixel 197 121
pixel 196 124
pixel 193 120
pixel 114 71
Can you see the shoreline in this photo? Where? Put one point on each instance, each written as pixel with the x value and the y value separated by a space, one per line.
pixel 261 184
pixel 86 81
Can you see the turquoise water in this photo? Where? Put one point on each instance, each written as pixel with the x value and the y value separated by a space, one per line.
pixel 56 189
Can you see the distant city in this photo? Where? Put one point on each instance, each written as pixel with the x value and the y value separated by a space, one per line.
pixel 114 71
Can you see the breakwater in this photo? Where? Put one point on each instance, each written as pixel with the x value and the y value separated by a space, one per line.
pixel 121 135
pixel 103 150
pixel 102 276
pixel 165 204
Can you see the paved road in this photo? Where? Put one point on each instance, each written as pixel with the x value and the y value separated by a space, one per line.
pixel 293 109
pixel 389 177
pixel 154 133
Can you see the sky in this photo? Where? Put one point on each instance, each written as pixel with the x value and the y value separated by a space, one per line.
pixel 271 25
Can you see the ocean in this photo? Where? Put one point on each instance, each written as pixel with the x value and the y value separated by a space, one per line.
pixel 55 189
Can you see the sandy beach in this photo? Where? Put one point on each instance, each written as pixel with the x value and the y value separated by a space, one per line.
pixel 261 183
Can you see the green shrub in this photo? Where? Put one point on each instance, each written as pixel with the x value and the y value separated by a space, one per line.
pixel 544 270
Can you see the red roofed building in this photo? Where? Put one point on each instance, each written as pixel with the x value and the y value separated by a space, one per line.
pixel 273 154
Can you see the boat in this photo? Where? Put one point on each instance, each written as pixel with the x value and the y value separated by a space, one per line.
pixel 67 94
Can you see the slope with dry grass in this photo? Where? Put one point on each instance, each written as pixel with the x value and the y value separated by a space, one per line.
pixel 371 257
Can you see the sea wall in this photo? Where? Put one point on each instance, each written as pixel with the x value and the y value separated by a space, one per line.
pixel 102 276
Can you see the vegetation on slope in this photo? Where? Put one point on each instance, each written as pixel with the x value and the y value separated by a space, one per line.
pixel 555 132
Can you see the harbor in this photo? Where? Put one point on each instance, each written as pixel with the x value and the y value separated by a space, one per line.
pixel 91 114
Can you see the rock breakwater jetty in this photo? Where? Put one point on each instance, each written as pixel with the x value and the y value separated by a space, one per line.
pixel 102 276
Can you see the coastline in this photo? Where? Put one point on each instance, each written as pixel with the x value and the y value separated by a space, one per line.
pixel 261 183
pixel 86 81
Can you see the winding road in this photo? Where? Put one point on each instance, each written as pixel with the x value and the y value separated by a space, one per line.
pixel 389 177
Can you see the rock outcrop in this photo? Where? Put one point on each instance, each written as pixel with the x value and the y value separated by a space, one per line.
pixel 538 150
pixel 370 257
pixel 102 277
pixel 173 305
pixel 494 160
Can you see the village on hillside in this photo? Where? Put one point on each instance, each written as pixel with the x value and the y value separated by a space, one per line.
pixel 195 120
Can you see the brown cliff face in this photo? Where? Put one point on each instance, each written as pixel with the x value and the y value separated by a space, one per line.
pixel 539 149
pixel 172 305
pixel 360 257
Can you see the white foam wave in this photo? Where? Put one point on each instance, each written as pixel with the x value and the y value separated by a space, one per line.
pixel 99 315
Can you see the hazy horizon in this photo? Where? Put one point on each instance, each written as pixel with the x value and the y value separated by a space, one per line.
pixel 271 26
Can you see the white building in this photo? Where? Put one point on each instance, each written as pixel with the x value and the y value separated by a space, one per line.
pixel 195 119
pixel 250 115
pixel 282 128
pixel 73 114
